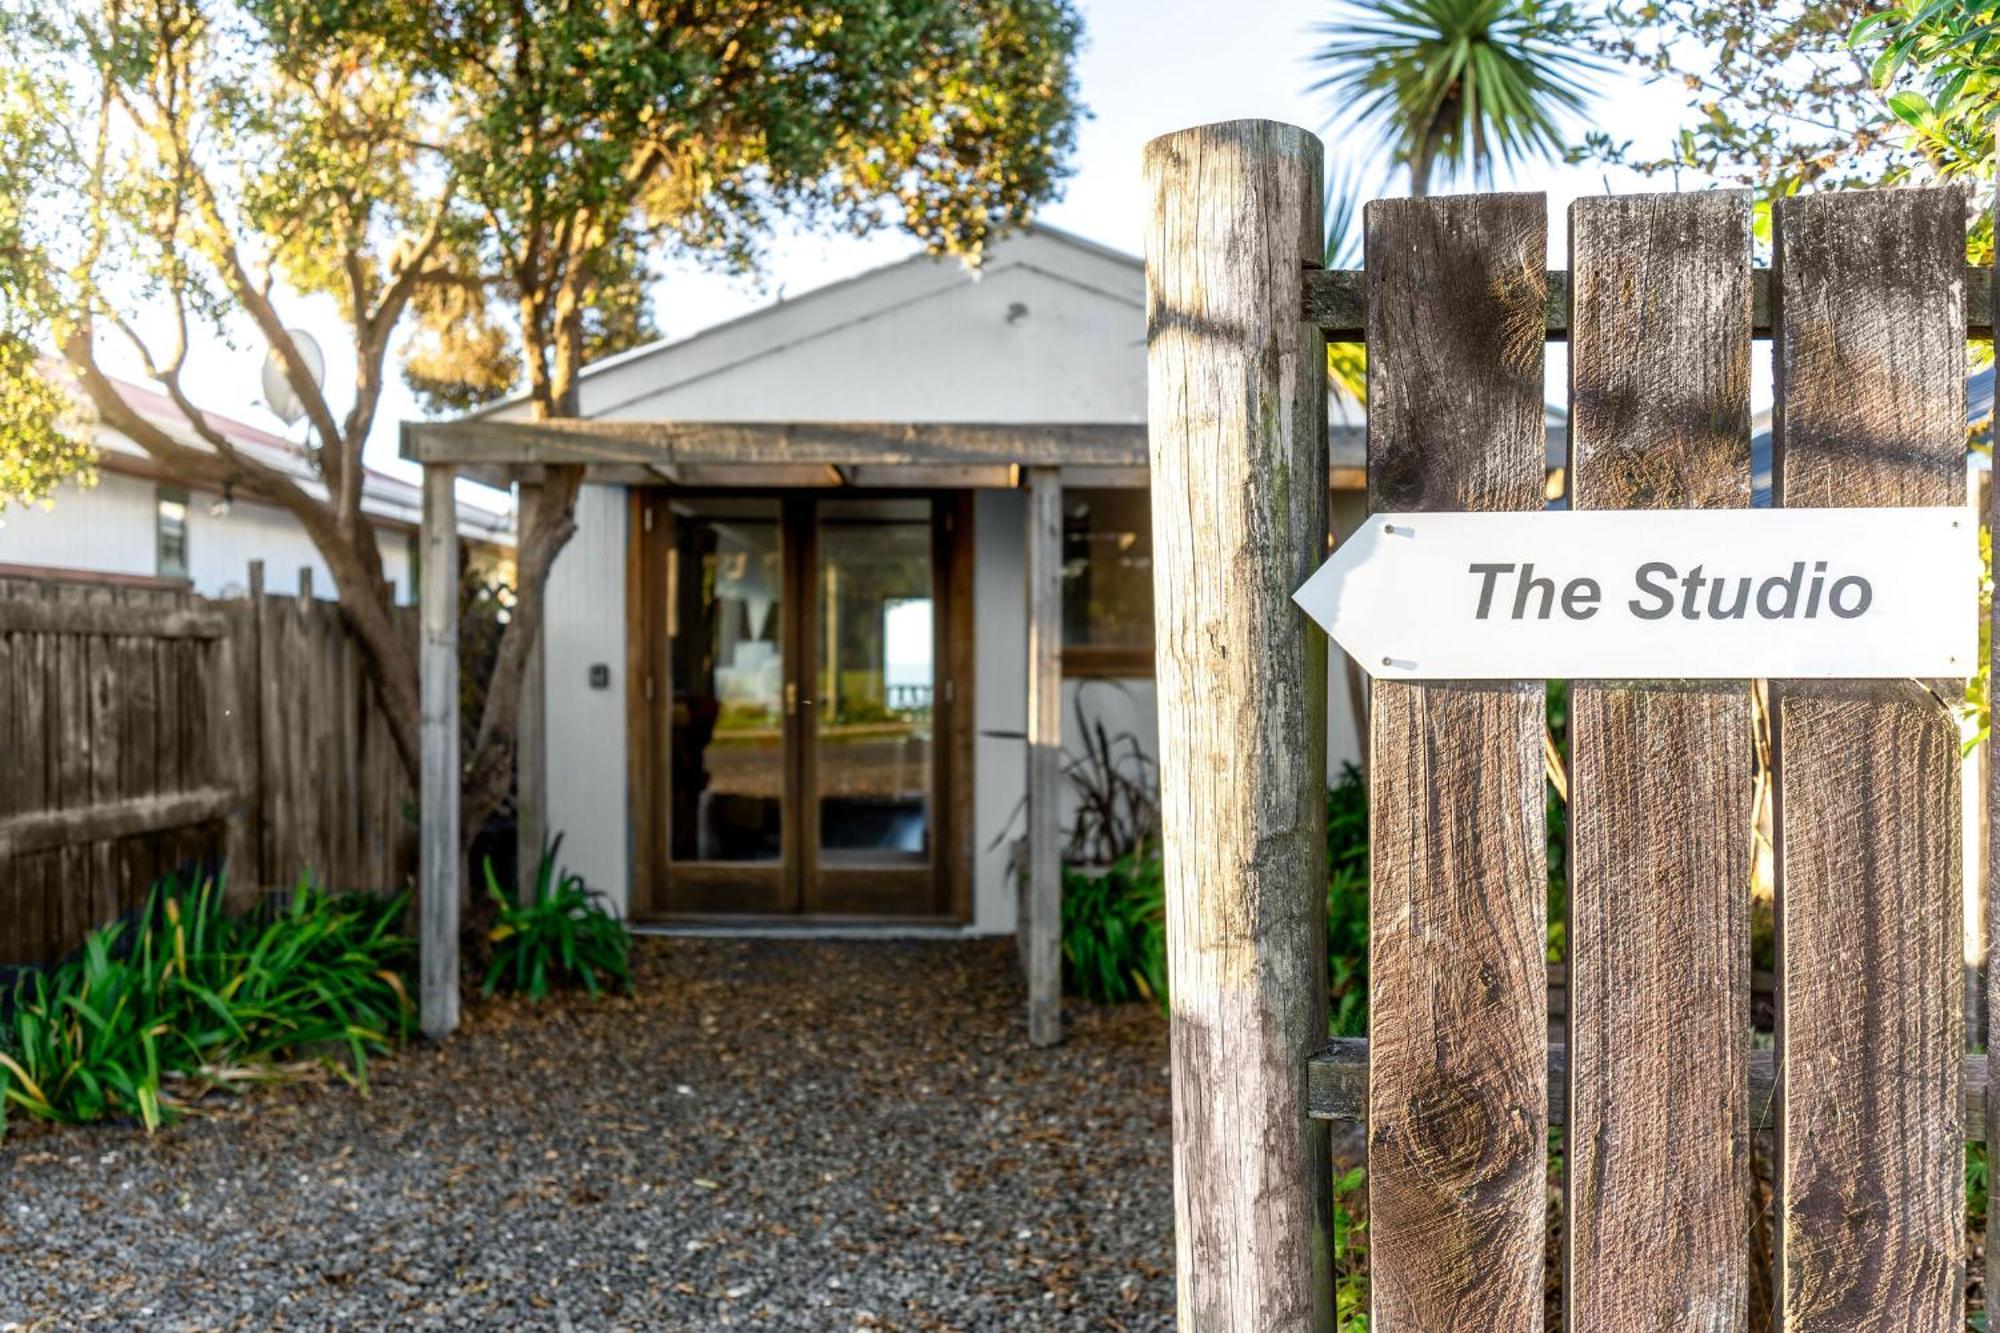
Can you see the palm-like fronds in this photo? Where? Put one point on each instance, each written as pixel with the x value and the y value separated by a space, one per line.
pixel 1457 84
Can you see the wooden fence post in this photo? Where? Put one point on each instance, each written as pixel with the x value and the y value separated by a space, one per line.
pixel 438 856
pixel 1236 407
pixel 1044 756
pixel 531 813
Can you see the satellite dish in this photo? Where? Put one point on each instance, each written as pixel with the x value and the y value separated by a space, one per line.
pixel 278 393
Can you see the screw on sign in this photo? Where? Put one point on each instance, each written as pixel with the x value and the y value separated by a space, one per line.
pixel 1692 594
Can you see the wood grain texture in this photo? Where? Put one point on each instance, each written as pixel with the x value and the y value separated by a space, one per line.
pixel 1236 406
pixel 1658 1179
pixel 1458 989
pixel 1870 366
pixel 1338 1086
pixel 438 786
pixel 1989 283
pixel 1337 301
pixel 1044 543
pixel 834 444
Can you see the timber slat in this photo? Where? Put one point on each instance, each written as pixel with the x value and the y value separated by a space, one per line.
pixel 1660 789
pixel 1870 369
pixel 1457 1138
pixel 1337 1087
pixel 1337 300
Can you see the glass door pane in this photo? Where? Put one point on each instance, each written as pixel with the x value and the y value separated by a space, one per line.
pixel 730 769
pixel 875 639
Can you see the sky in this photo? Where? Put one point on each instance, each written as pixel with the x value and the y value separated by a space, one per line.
pixel 1148 67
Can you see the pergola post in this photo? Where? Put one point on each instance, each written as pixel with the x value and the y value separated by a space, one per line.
pixel 1044 756
pixel 438 859
pixel 531 737
pixel 1236 406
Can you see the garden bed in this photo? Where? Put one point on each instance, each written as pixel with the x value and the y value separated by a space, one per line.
pixel 773 1134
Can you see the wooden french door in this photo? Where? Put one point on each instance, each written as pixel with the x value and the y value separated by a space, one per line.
pixel 794 680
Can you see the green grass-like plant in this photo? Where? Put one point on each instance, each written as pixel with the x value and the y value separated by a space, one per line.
pixel 1114 931
pixel 184 998
pixel 561 937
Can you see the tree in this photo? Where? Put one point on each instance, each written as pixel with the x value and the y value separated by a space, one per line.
pixel 1778 100
pixel 498 176
pixel 1937 70
pixel 1455 86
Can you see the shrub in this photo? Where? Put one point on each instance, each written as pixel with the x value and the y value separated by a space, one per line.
pixel 561 937
pixel 184 998
pixel 1114 931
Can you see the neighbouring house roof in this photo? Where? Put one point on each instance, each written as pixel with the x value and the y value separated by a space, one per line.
pixel 387 500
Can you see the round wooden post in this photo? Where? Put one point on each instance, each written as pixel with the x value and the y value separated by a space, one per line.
pixel 438 837
pixel 1236 410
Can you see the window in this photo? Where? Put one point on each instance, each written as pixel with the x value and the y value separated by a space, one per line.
pixel 1107 582
pixel 170 525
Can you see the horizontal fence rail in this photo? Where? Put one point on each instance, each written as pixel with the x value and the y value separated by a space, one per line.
pixel 1337 1086
pixel 1337 301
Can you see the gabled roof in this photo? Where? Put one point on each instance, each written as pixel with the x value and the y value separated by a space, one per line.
pixel 1038 332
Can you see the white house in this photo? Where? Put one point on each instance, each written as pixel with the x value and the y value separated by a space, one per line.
pixel 142 524
pixel 787 651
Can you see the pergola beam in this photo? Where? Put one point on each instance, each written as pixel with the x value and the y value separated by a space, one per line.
pixel 844 444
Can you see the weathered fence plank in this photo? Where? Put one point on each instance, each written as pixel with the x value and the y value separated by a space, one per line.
pixel 1989 282
pixel 1459 993
pixel 141 735
pixel 1658 1173
pixel 1236 392
pixel 1870 363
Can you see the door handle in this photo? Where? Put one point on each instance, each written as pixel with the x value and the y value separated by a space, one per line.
pixel 791 698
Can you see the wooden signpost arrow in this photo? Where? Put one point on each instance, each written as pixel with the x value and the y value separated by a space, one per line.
pixel 1655 594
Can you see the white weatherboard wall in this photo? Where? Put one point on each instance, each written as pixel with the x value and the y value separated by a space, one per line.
pixel 587 748
pixel 110 528
pixel 1052 330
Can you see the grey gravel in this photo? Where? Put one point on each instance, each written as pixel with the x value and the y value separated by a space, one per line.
pixel 770 1134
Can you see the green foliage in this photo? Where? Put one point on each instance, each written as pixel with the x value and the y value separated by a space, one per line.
pixel 1457 85
pixel 1775 100
pixel 185 998
pixel 1936 64
pixel 1114 931
pixel 1350 1251
pixel 1114 919
pixel 560 938
pixel 39 445
pixel 1347 904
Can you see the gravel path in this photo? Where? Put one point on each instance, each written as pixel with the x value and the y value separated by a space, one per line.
pixel 792 1135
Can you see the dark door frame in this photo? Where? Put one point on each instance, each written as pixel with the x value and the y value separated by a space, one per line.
pixel 798 883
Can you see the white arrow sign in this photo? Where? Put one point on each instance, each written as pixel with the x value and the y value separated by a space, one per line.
pixel 1655 594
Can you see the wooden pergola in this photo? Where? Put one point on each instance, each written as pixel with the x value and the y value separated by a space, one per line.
pixel 1040 458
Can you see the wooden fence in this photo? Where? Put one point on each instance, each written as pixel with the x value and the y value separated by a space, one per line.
pixel 145 731
pixel 1868 307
